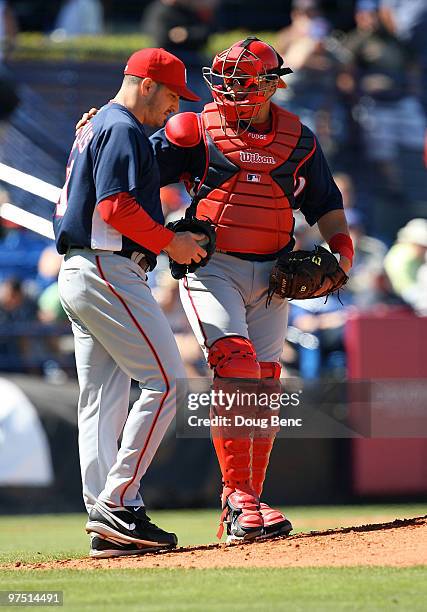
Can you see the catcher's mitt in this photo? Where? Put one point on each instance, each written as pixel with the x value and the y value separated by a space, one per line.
pixel 196 226
pixel 300 274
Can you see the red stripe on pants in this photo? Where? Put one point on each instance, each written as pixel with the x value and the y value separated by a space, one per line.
pixel 156 357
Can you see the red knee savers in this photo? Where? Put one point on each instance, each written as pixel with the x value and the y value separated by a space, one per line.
pixel 270 369
pixel 234 357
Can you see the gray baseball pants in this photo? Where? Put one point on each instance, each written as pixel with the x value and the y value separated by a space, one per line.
pixel 120 334
pixel 228 298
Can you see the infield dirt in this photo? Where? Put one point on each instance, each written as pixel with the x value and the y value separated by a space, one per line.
pixel 401 543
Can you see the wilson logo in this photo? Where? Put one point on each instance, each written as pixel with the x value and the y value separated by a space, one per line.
pixel 256 158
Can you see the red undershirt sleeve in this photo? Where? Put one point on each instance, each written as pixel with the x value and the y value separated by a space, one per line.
pixel 123 212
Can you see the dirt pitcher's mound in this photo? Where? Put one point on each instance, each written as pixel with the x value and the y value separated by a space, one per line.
pixel 400 543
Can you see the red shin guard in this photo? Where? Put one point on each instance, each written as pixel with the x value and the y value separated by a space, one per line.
pixel 234 362
pixel 264 438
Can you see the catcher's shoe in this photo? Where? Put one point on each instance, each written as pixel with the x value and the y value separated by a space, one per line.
pixel 128 525
pixel 275 523
pixel 242 517
pixel 101 548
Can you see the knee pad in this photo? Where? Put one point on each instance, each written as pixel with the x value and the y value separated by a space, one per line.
pixel 269 385
pixel 270 378
pixel 270 369
pixel 234 357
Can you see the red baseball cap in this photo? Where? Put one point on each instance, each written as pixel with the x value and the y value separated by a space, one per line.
pixel 162 67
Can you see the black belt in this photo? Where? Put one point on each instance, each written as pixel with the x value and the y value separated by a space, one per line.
pixel 249 256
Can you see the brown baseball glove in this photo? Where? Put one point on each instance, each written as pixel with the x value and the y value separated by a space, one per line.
pixel 299 275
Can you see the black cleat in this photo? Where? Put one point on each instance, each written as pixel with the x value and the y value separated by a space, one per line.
pixel 100 548
pixel 128 525
pixel 275 522
pixel 242 517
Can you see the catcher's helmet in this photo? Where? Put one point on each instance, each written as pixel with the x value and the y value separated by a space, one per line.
pixel 243 77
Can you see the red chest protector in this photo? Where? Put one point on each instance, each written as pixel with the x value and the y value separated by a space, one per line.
pixel 248 188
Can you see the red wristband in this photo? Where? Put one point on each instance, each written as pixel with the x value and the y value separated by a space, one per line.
pixel 342 244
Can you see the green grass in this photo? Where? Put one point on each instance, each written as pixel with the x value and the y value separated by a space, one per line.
pixel 305 589
pixel 42 538
pixel 46 537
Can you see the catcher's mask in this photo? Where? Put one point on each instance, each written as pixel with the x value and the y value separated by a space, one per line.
pixel 242 78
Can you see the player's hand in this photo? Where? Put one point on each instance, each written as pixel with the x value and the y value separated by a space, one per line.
pixel 85 118
pixel 326 286
pixel 185 247
pixel 345 264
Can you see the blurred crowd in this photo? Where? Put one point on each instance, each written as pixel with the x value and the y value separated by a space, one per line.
pixel 362 89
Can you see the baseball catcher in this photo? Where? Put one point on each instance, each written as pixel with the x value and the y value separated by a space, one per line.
pixel 301 275
pixel 195 226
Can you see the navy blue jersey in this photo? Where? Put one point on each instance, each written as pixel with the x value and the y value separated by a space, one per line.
pixel 110 155
pixel 316 192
